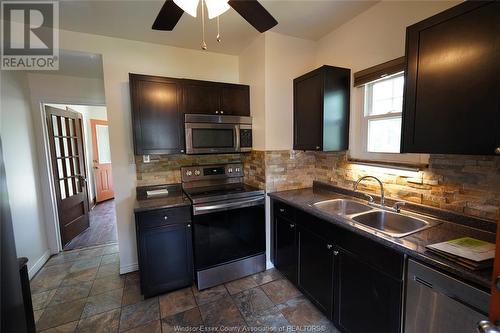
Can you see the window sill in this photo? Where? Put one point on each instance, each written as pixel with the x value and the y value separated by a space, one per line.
pixel 412 167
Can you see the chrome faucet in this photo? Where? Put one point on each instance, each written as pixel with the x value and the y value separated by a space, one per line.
pixel 369 196
pixel 397 206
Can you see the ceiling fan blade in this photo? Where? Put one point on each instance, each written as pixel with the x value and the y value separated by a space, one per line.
pixel 168 16
pixel 254 13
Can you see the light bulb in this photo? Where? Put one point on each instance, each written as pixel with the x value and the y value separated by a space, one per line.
pixel 216 7
pixel 189 6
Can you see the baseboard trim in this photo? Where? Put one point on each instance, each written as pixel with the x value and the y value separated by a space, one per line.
pixel 38 264
pixel 124 269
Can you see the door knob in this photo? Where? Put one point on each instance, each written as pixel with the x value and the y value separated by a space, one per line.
pixel 485 326
pixel 497 150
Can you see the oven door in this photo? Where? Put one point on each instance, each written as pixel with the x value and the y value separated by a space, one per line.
pixel 203 138
pixel 228 231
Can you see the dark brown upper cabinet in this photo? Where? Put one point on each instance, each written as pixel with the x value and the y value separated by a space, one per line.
pixel 452 103
pixel 321 100
pixel 156 114
pixel 159 105
pixel 216 98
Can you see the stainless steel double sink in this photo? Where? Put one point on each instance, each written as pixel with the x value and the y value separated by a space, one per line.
pixel 379 220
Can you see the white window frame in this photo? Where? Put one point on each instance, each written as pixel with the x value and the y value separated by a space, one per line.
pixel 358 141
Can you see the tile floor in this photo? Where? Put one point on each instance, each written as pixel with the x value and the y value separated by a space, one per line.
pixel 102 228
pixel 82 291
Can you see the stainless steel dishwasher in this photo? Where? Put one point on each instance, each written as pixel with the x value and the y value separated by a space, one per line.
pixel 438 303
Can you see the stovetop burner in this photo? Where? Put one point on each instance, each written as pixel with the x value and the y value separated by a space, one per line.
pixel 221 182
pixel 221 192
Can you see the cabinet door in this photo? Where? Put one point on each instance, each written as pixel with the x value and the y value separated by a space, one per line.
pixel 315 257
pixel 202 97
pixel 308 113
pixel 235 100
pixel 366 299
pixel 156 115
pixel 285 248
pixel 451 94
pixel 165 258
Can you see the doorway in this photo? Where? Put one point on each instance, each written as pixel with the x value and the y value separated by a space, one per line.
pixel 92 180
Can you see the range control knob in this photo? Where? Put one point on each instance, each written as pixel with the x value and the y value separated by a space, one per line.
pixel 230 170
pixel 197 172
pixel 189 173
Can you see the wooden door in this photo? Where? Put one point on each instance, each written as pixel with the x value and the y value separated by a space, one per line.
pixel 101 161
pixel 235 100
pixel 69 173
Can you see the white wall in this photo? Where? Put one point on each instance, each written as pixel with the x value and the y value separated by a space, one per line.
pixel 252 70
pixel 121 57
pixel 286 58
pixel 21 166
pixel 269 66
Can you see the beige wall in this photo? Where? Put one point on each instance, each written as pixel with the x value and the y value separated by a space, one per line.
pixel 21 168
pixel 121 57
pixel 252 70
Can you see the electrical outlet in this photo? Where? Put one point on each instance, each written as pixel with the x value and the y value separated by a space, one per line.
pixel 146 159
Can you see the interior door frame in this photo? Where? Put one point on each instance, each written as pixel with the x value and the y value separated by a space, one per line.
pixel 52 229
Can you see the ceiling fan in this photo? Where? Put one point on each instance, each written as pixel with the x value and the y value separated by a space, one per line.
pixel 251 10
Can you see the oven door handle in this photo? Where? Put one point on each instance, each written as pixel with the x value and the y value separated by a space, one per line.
pixel 202 209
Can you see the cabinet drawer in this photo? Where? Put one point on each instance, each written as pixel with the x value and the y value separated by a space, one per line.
pixel 162 217
pixel 284 210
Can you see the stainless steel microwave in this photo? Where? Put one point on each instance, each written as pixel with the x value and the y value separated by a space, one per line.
pixel 211 134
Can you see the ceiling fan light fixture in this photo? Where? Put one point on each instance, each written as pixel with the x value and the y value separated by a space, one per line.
pixel 216 7
pixel 189 6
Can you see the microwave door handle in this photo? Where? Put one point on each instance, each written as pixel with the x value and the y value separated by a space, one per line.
pixel 230 205
pixel 237 147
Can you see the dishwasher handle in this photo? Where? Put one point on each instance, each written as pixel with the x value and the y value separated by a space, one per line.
pixel 485 326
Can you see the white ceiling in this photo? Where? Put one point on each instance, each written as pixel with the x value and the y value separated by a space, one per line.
pixel 309 19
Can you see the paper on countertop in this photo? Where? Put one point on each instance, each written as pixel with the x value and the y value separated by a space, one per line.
pixel 468 248
pixel 154 193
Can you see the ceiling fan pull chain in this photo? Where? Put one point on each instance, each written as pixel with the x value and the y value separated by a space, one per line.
pixel 203 44
pixel 218 31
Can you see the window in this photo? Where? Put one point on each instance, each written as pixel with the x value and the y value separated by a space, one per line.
pixel 375 130
pixel 383 104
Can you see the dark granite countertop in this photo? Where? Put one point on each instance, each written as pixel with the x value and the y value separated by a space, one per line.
pixel 174 198
pixel 412 245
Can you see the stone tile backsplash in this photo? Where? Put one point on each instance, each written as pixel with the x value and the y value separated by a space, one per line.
pixel 468 185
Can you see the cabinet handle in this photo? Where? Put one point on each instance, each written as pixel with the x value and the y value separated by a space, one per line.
pixel 165 217
pixel 497 150
pixel 318 147
pixel 329 246
pixel 335 253
pixel 189 225
pixel 222 112
pixel 216 112
pixel 282 210
pixel 292 225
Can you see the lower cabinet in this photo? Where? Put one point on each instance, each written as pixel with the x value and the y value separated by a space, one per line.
pixel 164 245
pixel 356 282
pixel 315 273
pixel 366 299
pixel 285 247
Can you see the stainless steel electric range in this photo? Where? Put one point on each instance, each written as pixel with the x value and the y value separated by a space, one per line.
pixel 229 233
